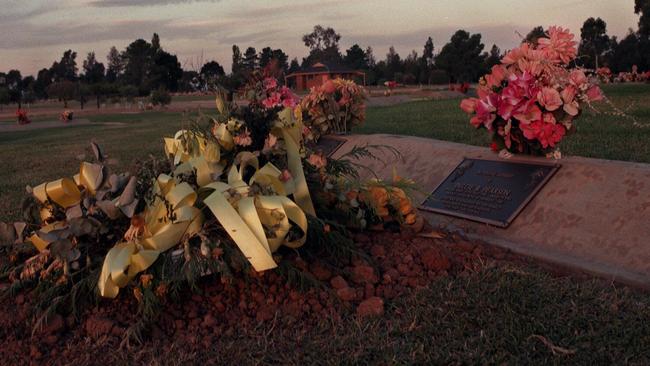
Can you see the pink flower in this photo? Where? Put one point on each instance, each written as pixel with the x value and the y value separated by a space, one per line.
pixel 469 105
pixel 497 75
pixel 515 54
pixel 244 138
pixel 519 91
pixel 559 47
pixel 270 83
pixel 528 113
pixel 289 100
pixel 285 176
pixel 547 134
pixel 595 94
pixel 569 94
pixel 485 111
pixel 317 160
pixel 329 87
pixel 272 101
pixel 270 142
pixel 578 78
pixel 549 98
pixel 572 108
pixel 549 118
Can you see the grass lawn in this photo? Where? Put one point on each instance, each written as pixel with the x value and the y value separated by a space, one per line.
pixel 496 316
pixel 601 135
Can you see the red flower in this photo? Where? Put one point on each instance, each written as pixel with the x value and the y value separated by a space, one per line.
pixel 494 147
pixel 547 134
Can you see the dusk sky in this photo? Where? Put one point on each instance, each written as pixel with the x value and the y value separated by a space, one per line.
pixel 36 32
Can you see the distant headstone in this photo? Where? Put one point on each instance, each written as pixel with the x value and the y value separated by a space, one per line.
pixel 489 191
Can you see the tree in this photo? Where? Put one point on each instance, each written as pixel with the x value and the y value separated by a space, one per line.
pixel 393 63
pixel 190 82
pixel 411 68
pixel 250 61
pixel 43 80
pixel 64 90
pixel 268 55
pixel 323 44
pixel 4 96
pixel 295 65
pixel 642 7
pixel 236 59
pixel 66 68
pixel 210 74
pixel 115 65
pixel 594 42
pixel 427 54
pixel 492 58
pixel 14 83
pixel 27 90
pixel 265 56
pixel 93 70
pixel 212 69
pixel 370 57
pixel 355 58
pixel 137 64
pixel 165 72
pixel 155 43
pixel 626 53
pixel 281 58
pixel 461 58
pixel 534 34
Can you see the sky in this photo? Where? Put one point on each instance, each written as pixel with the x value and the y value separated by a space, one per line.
pixel 34 33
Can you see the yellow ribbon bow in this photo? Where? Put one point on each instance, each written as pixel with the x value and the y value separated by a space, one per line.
pixel 167 221
pixel 65 193
pixel 191 151
pixel 258 224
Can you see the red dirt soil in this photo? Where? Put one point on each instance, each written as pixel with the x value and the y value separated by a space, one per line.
pixel 399 263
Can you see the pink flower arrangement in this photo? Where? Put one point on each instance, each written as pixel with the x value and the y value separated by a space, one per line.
pixel 244 138
pixel 23 119
pixel 334 107
pixel 530 101
pixel 277 97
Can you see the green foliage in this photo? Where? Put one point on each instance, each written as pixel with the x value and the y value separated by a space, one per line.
pixel 535 34
pixel 594 42
pixel 4 96
pixel 461 58
pixel 160 97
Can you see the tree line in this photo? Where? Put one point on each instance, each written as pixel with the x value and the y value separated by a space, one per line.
pixel 143 67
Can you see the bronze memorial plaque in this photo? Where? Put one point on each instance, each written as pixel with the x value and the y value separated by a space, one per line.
pixel 328 144
pixel 489 191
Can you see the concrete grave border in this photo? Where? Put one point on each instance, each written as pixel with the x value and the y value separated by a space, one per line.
pixel 593 215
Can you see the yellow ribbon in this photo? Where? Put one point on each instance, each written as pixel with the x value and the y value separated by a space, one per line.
pixel 65 193
pixel 290 126
pixel 125 260
pixel 257 224
pixel 192 151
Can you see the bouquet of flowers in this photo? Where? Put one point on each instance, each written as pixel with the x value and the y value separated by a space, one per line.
pixel 66 115
pixel 233 192
pixel 23 119
pixel 334 107
pixel 604 75
pixel 530 101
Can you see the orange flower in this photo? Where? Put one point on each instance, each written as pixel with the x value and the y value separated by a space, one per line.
pixel 318 160
pixel 146 280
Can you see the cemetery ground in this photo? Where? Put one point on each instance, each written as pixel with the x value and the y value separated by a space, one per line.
pixel 472 304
